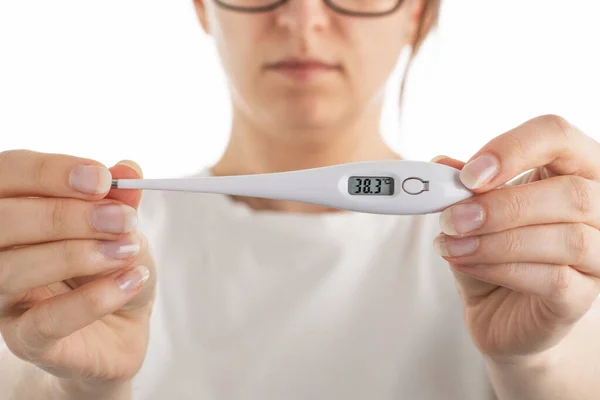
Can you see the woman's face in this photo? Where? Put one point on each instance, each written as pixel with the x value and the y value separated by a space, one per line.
pixel 304 66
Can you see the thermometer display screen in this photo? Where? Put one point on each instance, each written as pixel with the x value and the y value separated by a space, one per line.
pixel 371 185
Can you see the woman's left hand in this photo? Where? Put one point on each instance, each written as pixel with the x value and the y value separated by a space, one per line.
pixel 526 255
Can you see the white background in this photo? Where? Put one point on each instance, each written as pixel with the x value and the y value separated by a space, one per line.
pixel 97 79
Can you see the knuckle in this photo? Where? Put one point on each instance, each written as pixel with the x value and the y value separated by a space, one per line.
pixel 514 270
pixel 89 257
pixel 7 157
pixel 560 125
pixel 580 196
pixel 4 160
pixel 92 301
pixel 518 145
pixel 38 171
pixel 56 222
pixel 71 254
pixel 513 243
pixel 560 282
pixel 19 349
pixel 579 242
pixel 44 323
pixel 516 206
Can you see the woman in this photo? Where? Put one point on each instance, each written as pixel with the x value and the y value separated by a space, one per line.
pixel 261 299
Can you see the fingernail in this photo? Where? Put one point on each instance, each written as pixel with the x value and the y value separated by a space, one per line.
pixel 92 179
pixel 479 171
pixel 133 165
pixel 114 218
pixel 133 279
pixel 452 247
pixel 461 218
pixel 120 249
pixel 438 158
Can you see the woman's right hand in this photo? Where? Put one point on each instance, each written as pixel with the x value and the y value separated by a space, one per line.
pixel 74 295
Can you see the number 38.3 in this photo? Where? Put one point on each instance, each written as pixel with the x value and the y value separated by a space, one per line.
pixel 364 186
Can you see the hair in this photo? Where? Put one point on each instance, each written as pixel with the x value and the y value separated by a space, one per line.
pixel 429 20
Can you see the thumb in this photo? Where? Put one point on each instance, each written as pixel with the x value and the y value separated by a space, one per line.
pixel 126 169
pixel 468 286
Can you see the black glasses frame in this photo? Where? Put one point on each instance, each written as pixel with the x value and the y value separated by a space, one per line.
pixel 330 3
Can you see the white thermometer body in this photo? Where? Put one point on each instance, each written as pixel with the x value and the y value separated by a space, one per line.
pixel 399 187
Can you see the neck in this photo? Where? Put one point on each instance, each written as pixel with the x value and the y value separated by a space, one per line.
pixel 253 149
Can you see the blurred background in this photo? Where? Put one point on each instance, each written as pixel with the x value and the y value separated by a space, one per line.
pixel 139 80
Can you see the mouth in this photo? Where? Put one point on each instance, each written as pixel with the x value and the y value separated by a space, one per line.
pixel 303 69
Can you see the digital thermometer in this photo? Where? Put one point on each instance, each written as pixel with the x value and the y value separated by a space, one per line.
pixel 398 187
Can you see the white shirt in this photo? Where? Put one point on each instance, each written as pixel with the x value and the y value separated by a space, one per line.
pixel 272 306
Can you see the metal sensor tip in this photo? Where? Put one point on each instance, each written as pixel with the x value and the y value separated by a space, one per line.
pixel 114 184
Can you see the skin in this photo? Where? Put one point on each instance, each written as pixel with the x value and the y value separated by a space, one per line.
pixel 528 287
pixel 280 124
pixel 529 269
pixel 72 320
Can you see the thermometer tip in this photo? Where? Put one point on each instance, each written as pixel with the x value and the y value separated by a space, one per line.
pixel 114 184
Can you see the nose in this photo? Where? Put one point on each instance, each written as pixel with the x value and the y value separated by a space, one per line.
pixel 303 16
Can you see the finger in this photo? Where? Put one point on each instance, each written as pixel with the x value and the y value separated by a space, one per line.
pixel 30 267
pixel 42 326
pixel 449 161
pixel 568 292
pixel 454 163
pixel 126 169
pixel 38 220
pixel 27 173
pixel 548 141
pixel 563 244
pixel 139 303
pixel 470 287
pixel 567 199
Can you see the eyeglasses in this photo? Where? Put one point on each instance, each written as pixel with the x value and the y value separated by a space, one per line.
pixel 357 8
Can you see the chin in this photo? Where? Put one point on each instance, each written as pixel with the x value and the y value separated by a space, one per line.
pixel 305 114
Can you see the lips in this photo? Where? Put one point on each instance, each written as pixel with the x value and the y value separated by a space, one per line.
pixel 303 69
pixel 303 64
